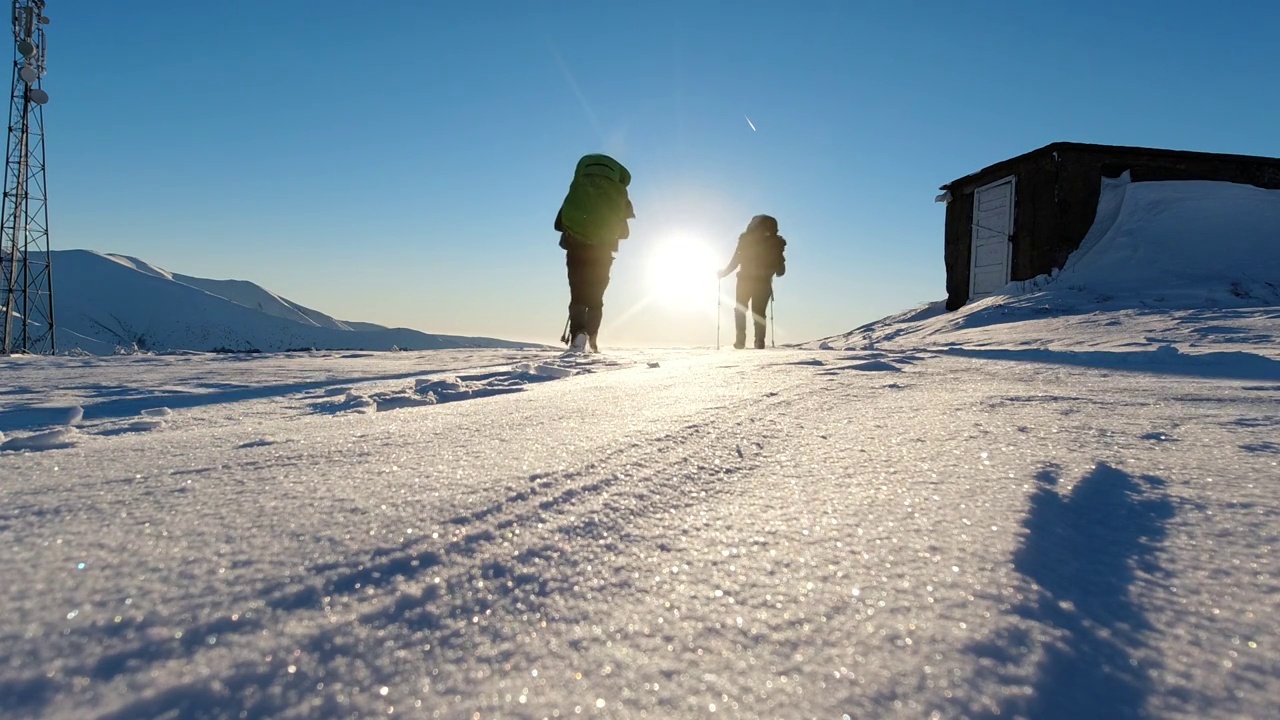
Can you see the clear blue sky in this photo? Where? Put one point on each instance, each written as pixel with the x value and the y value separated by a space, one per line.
pixel 401 161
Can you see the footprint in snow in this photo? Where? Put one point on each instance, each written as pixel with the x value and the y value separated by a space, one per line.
pixel 135 426
pixel 55 439
pixel 869 366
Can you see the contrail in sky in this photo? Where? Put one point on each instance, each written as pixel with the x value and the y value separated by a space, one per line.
pixel 753 125
pixel 573 85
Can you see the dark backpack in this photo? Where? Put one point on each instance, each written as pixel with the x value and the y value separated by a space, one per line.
pixel 767 254
pixel 763 225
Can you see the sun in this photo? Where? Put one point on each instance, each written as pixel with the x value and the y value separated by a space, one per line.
pixel 681 274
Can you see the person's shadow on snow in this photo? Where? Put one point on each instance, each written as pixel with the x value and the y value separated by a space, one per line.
pixel 1085 550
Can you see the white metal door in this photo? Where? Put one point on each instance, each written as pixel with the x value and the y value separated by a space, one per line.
pixel 991 252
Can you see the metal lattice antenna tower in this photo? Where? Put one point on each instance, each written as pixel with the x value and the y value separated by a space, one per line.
pixel 26 277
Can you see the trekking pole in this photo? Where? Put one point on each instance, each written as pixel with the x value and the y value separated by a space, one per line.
pixel 718 285
pixel 773 327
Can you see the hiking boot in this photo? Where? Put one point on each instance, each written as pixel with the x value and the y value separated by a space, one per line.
pixel 595 347
pixel 579 343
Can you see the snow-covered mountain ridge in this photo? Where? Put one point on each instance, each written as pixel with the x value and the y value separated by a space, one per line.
pixel 104 303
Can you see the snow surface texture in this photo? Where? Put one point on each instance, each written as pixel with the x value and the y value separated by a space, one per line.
pixel 107 304
pixel 1015 511
pixel 792 533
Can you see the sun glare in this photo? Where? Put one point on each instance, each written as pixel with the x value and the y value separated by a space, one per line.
pixel 682 274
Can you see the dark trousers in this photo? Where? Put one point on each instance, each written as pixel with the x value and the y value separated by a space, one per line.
pixel 589 267
pixel 754 292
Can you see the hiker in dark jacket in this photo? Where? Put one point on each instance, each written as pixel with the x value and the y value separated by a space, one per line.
pixel 591 222
pixel 758 258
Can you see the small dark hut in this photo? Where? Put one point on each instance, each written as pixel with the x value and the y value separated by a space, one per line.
pixel 1022 217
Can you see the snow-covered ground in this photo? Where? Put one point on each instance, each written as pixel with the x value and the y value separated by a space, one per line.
pixel 1042 506
pixel 794 533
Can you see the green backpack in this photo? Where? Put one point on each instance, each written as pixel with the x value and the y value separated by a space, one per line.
pixel 597 208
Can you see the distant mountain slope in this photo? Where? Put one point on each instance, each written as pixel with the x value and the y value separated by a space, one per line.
pixel 241 292
pixel 106 301
pixel 354 325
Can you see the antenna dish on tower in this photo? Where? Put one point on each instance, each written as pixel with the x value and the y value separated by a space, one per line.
pixel 28 74
pixel 38 96
pixel 44 20
pixel 27 48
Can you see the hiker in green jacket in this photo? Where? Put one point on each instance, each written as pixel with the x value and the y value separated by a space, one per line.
pixel 591 222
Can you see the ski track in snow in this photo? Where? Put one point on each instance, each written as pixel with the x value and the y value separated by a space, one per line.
pixel 766 534
pixel 106 409
pixel 439 390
